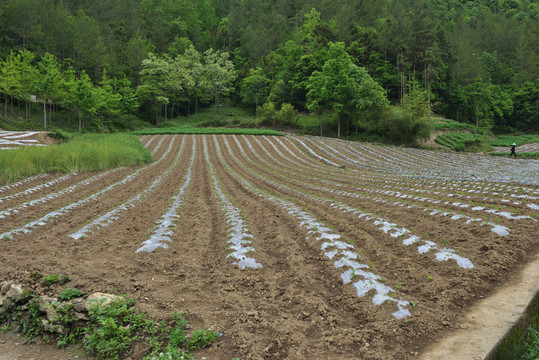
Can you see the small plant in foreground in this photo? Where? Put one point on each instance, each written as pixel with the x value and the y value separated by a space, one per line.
pixel 36 275
pixel 55 278
pixel 71 293
pixel 50 279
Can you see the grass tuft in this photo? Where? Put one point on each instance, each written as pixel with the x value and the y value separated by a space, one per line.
pixel 83 153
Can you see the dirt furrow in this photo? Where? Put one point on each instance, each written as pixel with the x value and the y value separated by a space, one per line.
pixel 122 182
pixel 319 232
pixel 471 285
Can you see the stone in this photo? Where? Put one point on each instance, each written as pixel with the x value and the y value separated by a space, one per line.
pixel 78 305
pixel 95 298
pixel 51 313
pixel 14 291
pixel 45 302
pixel 5 287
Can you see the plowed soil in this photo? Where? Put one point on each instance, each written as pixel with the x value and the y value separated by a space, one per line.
pixel 295 306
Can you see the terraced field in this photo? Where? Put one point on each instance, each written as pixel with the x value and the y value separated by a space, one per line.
pixel 15 139
pixel 526 148
pixel 294 247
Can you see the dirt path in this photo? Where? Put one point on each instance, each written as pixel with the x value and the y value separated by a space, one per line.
pixel 304 216
pixel 12 347
pixel 498 313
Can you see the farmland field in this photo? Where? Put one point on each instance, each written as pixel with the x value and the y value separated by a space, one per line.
pixel 293 247
pixel 14 139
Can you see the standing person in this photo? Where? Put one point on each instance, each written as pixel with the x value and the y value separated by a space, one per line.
pixel 513 150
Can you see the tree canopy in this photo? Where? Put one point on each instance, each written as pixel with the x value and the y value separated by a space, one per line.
pixel 477 61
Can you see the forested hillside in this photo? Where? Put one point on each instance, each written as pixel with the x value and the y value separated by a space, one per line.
pixel 472 61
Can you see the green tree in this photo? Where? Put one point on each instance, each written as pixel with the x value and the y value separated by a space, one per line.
pixel 219 74
pixel 154 75
pixel 343 87
pixel 10 79
pixel 83 98
pixel 48 82
pixel 254 87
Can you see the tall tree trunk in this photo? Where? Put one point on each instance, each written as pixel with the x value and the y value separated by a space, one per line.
pixel 256 106
pixel 215 108
pixel 196 108
pixel 188 103
pixel 5 107
pixel 166 112
pixel 80 123
pixel 44 115
pixel 428 98
pixel 320 125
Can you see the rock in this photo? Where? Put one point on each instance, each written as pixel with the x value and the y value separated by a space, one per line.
pixel 46 325
pixel 5 287
pixel 78 304
pixel 80 316
pixel 95 298
pixel 45 302
pixel 51 313
pixel 14 291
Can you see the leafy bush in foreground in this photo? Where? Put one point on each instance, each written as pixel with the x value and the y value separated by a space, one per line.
pixel 109 332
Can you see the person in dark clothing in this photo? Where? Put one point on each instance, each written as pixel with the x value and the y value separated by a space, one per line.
pixel 513 150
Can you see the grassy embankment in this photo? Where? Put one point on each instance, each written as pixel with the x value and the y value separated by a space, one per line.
pixel 522 343
pixel 468 138
pixel 87 152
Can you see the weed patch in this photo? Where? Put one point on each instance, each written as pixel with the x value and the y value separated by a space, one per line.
pixel 83 153
pixel 108 330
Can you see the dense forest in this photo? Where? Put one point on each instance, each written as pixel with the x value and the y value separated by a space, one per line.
pixel 472 61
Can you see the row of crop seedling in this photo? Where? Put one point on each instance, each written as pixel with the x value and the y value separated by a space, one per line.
pixel 498 229
pixel 468 167
pixel 165 226
pixel 372 176
pixel 114 214
pixel 239 238
pixel 382 224
pixel 27 228
pixel 54 195
pixel 14 185
pixel 37 188
pixel 517 196
pixel 340 252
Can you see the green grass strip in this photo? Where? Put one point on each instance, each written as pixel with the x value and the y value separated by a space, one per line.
pixel 87 152
pixel 533 155
pixel 508 140
pixel 208 130
pixel 522 343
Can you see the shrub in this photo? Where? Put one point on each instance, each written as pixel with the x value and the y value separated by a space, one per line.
pixel 288 115
pixel 268 114
pixel 401 127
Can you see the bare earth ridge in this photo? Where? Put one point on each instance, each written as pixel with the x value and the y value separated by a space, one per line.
pixel 366 252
